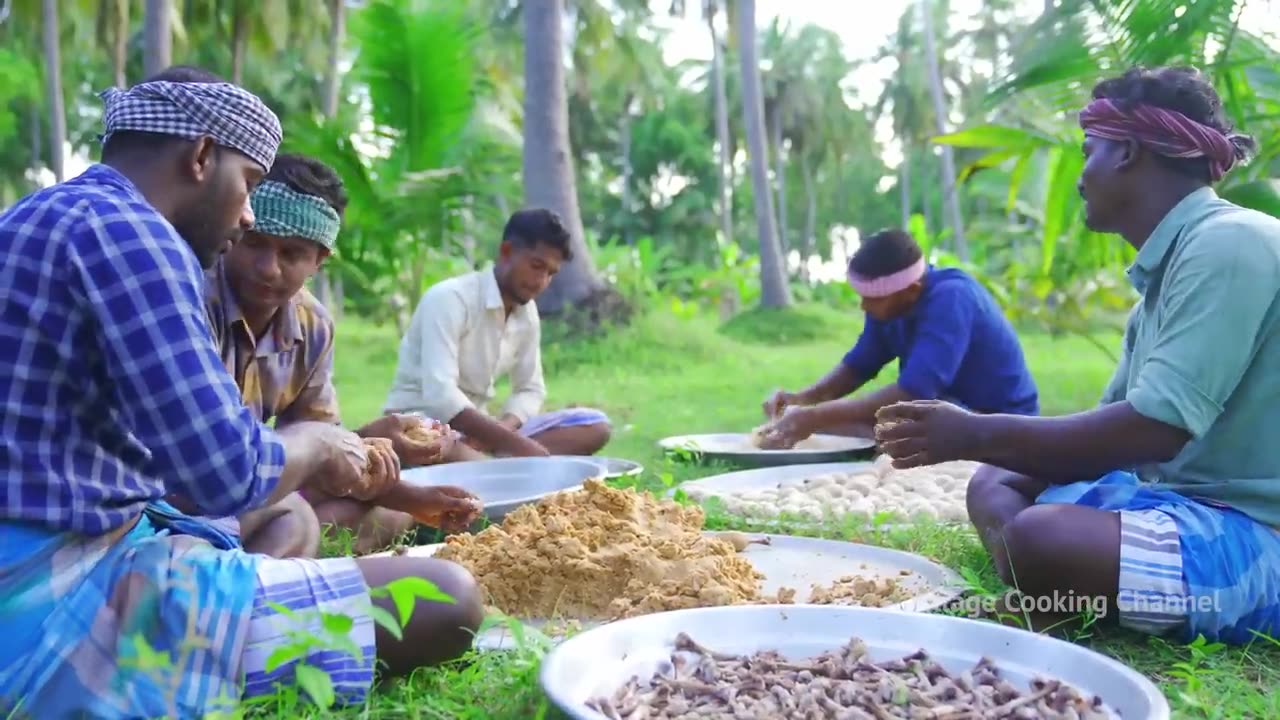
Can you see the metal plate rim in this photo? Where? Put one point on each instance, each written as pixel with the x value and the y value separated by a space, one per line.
pixel 506 505
pixel 866 621
pixel 675 442
pixel 632 468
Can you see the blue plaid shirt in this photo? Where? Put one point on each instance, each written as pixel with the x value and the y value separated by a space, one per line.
pixel 113 392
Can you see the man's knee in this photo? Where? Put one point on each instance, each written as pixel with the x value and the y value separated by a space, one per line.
pixel 596 436
pixel 288 528
pixel 466 612
pixel 301 524
pixel 1032 540
pixel 985 480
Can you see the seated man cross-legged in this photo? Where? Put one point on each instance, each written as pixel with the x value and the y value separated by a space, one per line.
pixel 950 338
pixel 469 331
pixel 116 398
pixel 1164 500
pixel 277 341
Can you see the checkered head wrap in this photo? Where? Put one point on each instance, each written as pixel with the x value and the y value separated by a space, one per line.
pixel 282 211
pixel 231 115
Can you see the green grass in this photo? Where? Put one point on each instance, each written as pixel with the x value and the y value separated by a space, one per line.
pixel 665 376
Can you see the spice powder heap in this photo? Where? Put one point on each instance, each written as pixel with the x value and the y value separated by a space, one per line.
pixel 604 553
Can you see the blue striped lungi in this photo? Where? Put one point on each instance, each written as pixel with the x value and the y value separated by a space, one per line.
pixel 568 417
pixel 147 622
pixel 1186 564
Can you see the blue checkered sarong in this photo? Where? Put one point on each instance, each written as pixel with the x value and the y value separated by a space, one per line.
pixel 74 608
pixel 1186 563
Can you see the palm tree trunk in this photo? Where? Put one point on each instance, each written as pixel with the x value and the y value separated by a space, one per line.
pixel 53 89
pixel 548 171
pixel 625 133
pixel 950 196
pixel 239 39
pixel 157 34
pixel 780 175
pixel 328 290
pixel 722 127
pixel 809 243
pixel 120 44
pixel 774 290
pixel 904 186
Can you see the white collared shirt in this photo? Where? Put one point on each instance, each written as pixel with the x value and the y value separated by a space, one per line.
pixel 459 343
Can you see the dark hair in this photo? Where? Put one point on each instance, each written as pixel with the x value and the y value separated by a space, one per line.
pixel 126 141
pixel 529 227
pixel 310 177
pixel 1182 89
pixel 884 253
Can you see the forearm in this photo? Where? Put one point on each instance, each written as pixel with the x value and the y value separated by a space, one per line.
pixel 859 410
pixel 838 383
pixel 1076 447
pixel 488 432
pixel 400 497
pixel 304 459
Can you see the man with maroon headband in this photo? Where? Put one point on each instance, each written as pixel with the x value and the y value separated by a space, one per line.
pixel 1164 499
pixel 945 330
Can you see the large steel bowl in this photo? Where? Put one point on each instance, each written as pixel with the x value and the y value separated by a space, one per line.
pixel 598 661
pixel 505 484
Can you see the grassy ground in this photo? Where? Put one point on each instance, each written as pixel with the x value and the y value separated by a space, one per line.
pixel 667 376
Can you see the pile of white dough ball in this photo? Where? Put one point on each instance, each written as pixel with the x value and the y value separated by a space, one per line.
pixel 934 491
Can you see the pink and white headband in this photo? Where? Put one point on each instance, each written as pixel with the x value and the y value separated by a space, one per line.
pixel 888 284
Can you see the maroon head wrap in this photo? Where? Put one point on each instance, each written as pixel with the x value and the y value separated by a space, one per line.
pixel 1164 131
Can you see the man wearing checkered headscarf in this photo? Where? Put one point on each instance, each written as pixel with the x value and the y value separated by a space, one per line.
pixel 125 413
pixel 228 135
pixel 231 115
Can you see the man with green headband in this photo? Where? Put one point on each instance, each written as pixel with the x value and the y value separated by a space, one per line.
pixel 277 341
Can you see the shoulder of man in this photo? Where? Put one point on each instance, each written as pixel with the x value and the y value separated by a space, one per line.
pixel 454 294
pixel 312 314
pixel 103 222
pixel 955 285
pixel 1233 239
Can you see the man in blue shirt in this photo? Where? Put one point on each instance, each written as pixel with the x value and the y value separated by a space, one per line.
pixel 948 334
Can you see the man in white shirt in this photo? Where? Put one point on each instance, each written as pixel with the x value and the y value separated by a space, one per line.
pixel 469 331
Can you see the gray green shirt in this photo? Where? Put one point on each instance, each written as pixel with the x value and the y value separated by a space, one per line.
pixel 1202 351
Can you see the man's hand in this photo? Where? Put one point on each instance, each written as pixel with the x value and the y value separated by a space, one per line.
pixel 356 468
pixel 779 401
pixel 416 440
pixel 927 432
pixel 449 508
pixel 796 424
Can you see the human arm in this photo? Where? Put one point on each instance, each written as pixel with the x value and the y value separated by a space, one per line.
pixel 496 435
pixel 850 411
pixel 839 382
pixel 141 286
pixel 858 366
pixel 1213 306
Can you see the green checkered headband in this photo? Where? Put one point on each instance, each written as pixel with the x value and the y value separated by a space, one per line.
pixel 282 211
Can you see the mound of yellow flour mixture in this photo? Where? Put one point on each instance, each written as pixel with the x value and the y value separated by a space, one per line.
pixel 603 553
